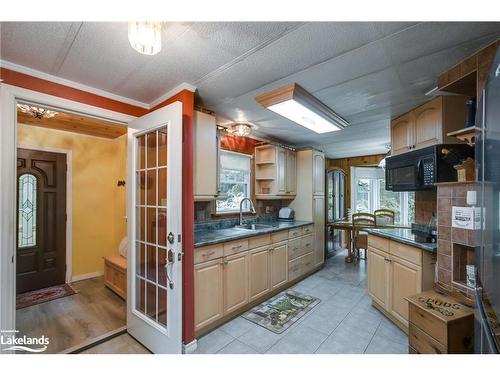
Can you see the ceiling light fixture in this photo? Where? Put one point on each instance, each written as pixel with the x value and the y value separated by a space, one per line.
pixel 145 36
pixel 241 130
pixel 36 112
pixel 296 104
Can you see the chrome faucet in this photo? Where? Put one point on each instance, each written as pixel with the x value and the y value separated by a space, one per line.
pixel 252 208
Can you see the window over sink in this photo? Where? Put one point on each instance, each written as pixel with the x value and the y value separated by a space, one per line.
pixel 234 182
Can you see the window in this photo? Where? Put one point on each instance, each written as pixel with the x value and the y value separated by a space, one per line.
pixel 234 181
pixel 27 211
pixel 368 185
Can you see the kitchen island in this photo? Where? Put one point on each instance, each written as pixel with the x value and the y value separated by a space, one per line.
pixel 400 265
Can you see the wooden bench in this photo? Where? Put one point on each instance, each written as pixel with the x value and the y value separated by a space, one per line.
pixel 115 274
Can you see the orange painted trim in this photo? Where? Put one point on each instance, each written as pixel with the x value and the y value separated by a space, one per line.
pixel 14 78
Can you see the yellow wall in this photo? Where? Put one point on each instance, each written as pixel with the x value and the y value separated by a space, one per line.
pixel 99 206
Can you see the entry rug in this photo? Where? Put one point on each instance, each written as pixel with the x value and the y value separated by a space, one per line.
pixel 283 310
pixel 43 295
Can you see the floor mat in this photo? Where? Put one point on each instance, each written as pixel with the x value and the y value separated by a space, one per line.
pixel 36 297
pixel 283 310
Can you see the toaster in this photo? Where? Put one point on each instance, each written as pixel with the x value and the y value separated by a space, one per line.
pixel 286 214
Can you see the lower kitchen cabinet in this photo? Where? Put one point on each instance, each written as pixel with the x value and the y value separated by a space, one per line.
pixel 235 284
pixel 279 265
pixel 208 292
pixel 259 272
pixel 378 277
pixel 395 272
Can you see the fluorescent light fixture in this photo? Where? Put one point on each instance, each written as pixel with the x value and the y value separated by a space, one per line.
pixel 296 104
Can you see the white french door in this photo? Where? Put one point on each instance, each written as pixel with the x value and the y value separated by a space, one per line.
pixel 154 304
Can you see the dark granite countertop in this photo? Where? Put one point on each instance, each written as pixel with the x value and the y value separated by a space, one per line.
pixel 213 236
pixel 405 236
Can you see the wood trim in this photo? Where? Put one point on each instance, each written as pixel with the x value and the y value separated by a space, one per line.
pixel 277 95
pixel 14 78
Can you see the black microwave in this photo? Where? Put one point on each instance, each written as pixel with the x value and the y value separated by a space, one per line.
pixel 421 169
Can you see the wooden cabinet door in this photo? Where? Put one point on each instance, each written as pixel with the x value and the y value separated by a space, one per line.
pixel 401 134
pixel 319 229
pixel 318 173
pixel 259 271
pixel 279 265
pixel 406 280
pixel 428 123
pixel 235 282
pixel 378 276
pixel 281 171
pixel 291 173
pixel 206 158
pixel 208 293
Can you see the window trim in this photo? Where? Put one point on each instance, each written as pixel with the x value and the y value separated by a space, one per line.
pixel 250 185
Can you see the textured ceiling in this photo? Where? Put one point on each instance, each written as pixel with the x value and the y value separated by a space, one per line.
pixel 367 72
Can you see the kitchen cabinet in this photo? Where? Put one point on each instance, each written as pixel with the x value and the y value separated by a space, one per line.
pixel 260 272
pixel 401 134
pixel 319 233
pixel 208 291
pixel 275 172
pixel 206 144
pixel 318 173
pixel 235 282
pixel 279 265
pixel 428 124
pixel 397 271
pixel 378 277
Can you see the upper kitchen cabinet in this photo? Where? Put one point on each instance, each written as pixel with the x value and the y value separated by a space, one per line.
pixel 318 173
pixel 275 172
pixel 206 157
pixel 428 124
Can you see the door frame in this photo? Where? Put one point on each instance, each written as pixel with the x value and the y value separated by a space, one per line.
pixel 9 96
pixel 69 200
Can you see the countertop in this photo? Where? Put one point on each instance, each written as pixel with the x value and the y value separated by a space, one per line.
pixel 404 236
pixel 214 236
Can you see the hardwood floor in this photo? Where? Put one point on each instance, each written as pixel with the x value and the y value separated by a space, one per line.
pixel 72 320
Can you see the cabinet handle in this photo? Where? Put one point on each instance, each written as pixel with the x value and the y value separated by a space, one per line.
pixel 225 263
pixel 208 254
pixel 236 247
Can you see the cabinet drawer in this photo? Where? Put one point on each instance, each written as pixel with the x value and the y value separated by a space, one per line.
pixel 423 343
pixel 307 262
pixel 294 248
pixel 306 243
pixel 295 232
pixel 294 269
pixel 206 253
pixel 307 230
pixel 279 236
pixel 378 243
pixel 235 247
pixel 258 241
pixel 428 323
pixel 406 252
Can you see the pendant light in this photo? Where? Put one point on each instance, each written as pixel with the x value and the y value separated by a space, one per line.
pixel 145 36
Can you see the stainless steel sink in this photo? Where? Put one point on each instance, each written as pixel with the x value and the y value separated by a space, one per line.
pixel 253 226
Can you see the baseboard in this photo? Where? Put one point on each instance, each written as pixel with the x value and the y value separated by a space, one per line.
pixel 190 348
pixel 86 276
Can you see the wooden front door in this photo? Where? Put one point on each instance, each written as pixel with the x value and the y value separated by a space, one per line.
pixel 41 219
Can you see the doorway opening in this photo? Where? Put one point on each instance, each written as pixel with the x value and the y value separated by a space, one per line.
pixel 71 227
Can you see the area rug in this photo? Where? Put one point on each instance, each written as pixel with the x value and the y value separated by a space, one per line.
pixel 282 311
pixel 36 297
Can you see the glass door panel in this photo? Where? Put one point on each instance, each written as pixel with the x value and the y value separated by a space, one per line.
pixel 151 242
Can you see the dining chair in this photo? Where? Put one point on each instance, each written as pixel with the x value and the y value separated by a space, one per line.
pixel 384 216
pixel 360 238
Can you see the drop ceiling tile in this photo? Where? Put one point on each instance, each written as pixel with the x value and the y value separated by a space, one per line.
pixel 35 45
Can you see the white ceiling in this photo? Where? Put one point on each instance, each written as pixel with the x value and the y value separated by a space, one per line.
pixel 367 72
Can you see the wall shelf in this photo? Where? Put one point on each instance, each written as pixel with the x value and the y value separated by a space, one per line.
pixel 467 135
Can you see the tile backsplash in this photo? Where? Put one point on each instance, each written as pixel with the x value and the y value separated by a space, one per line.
pixel 425 206
pixel 205 211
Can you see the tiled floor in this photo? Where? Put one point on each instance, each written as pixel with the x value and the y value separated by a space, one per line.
pixel 344 321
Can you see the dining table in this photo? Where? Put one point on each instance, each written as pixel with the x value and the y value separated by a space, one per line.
pixel 348 226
